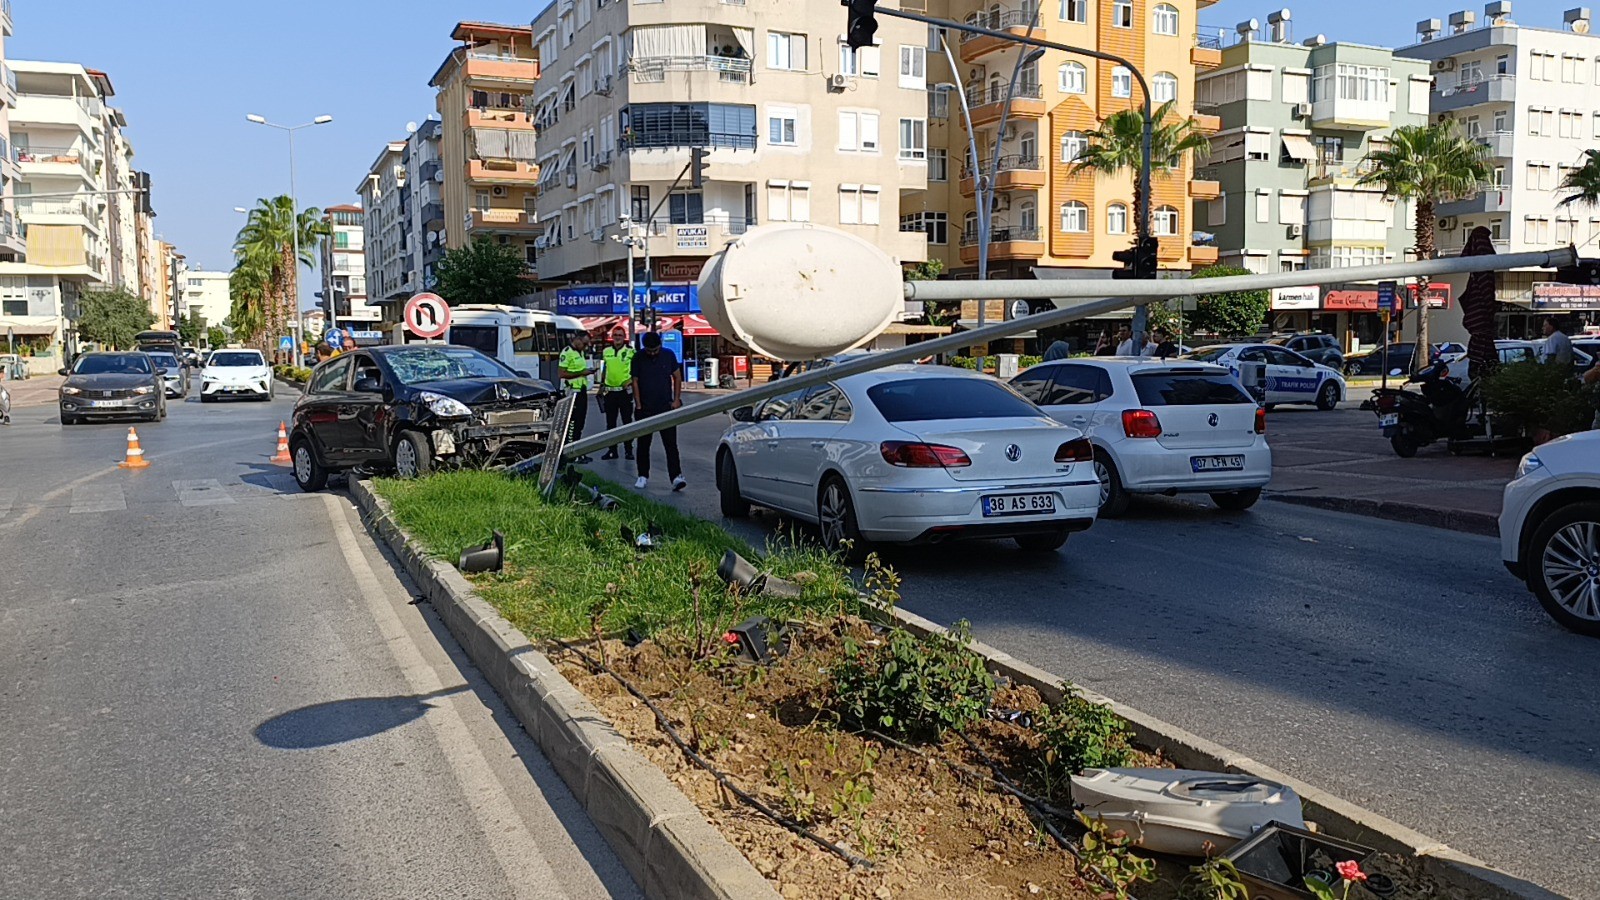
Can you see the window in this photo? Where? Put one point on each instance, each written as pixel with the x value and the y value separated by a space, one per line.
pixel 935 39
pixel 482 198
pixel 852 203
pixel 858 131
pixel 1502 64
pixel 1258 145
pixel 1571 69
pixel 913 138
pixel 1122 13
pixel 1291 209
pixel 1263 205
pixel 1075 384
pixel 686 208
pixel 865 62
pixel 1164 222
pixel 1074 217
pixel 1121 82
pixel 690 125
pixel 1028 147
pixel 1073 78
pixel 781 126
pixel 1469 73
pixel 1297 88
pixel 1028 216
pixel 1164 19
pixel 566 31
pixel 1500 122
pixel 935 224
pixel 1117 219
pixel 1474 127
pixel 1073 145
pixel 330 378
pixel 938 165
pixel 1569 124
pixel 1075 11
pixel 1564 230
pixel 870 206
pixel 1498 178
pixel 1258 83
pixel 1217 210
pixel 913 67
pixel 1163 87
pixel 938 104
pixel 1348 81
pixel 786 52
pixel 639 203
pixel 788 201
pixel 1536 230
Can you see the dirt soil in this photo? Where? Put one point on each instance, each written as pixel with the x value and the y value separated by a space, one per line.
pixel 930 831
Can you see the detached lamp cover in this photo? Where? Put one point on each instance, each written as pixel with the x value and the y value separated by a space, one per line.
pixel 489 557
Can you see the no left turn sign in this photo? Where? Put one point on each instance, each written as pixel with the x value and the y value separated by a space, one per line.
pixel 427 315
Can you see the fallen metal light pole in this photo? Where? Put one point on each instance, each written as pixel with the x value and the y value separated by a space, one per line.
pixel 1127 290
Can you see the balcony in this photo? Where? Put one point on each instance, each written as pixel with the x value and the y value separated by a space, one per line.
pixel 1206 52
pixel 1005 242
pixel 495 70
pixel 5 17
pixel 1204 185
pixel 502 221
pixel 988 104
pixel 637 139
pixel 1203 255
pixel 431 214
pixel 654 69
pixel 431 171
pixel 8 85
pixel 68 162
pixel 1491 198
pixel 1492 89
pixel 502 171
pixel 1011 21
pixel 1016 173
pixel 1498 142
pixel 501 117
pixel 1351 114
pixel 1206 123
pixel 1333 171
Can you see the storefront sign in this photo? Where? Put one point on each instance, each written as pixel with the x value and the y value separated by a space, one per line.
pixel 679 270
pixel 612 299
pixel 993 311
pixel 692 237
pixel 1354 301
pixel 1305 297
pixel 1553 295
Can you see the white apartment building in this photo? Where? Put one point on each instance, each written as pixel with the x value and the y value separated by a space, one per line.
pixel 387 237
pixel 206 294
pixel 12 247
pixel 800 128
pixel 1531 94
pixel 423 208
pixel 344 268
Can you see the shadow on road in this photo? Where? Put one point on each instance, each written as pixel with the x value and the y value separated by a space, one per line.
pixel 342 721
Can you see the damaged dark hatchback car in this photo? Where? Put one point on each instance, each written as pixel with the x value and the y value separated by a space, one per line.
pixel 414 408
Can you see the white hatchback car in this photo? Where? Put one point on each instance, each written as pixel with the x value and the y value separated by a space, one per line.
pixel 1291 378
pixel 910 454
pixel 235 373
pixel 1550 529
pixel 1158 426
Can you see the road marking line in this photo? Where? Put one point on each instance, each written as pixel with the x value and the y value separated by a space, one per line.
pixel 8 499
pixel 201 492
pixel 93 498
pixel 503 828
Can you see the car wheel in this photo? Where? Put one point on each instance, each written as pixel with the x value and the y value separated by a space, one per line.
pixel 412 456
pixel 1352 369
pixel 1048 542
pixel 836 519
pixel 1564 567
pixel 70 420
pixel 734 506
pixel 308 473
pixel 1405 446
pixel 1328 397
pixel 1113 498
pixel 1236 501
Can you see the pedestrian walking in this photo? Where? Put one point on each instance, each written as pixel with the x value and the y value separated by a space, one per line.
pixel 1557 347
pixel 574 368
pixel 657 388
pixel 616 387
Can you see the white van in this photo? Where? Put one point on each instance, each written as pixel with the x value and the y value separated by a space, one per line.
pixel 527 340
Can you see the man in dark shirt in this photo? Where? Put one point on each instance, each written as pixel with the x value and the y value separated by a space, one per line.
pixel 1162 347
pixel 657 388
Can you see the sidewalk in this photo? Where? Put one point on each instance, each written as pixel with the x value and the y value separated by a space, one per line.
pixel 1340 461
pixel 40 390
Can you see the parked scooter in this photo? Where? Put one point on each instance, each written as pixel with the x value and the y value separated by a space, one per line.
pixel 5 406
pixel 1439 410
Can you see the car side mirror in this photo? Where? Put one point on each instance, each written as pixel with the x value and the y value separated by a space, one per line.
pixel 160 371
pixel 524 373
pixel 744 414
pixel 368 386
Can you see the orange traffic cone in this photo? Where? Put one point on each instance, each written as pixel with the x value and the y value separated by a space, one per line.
pixel 282 455
pixel 135 458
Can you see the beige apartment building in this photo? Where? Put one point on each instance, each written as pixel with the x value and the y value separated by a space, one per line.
pixel 487 157
pixel 799 128
pixel 12 247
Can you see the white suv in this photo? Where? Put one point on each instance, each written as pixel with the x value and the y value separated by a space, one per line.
pixel 1158 426
pixel 235 373
pixel 1550 529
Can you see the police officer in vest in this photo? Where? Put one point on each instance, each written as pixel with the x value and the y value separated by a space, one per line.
pixel 575 377
pixel 616 387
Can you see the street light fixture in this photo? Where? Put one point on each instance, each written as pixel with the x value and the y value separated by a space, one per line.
pixel 294 220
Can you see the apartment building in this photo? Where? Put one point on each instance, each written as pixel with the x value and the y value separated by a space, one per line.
pixel 1298 120
pixel 485 93
pixel 206 294
pixel 386 241
pixel 344 268
pixel 425 173
pixel 145 247
pixel 174 286
pixel 799 128
pixel 12 247
pixel 120 202
pixel 1531 94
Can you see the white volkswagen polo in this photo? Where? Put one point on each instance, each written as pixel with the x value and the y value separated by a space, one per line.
pixel 910 454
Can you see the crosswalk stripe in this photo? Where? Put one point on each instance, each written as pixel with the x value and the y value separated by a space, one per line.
pixel 91 498
pixel 201 492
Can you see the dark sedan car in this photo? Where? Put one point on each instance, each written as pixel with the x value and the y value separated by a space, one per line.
pixel 413 408
pixel 113 384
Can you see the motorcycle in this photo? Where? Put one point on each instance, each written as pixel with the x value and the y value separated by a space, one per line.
pixel 5 406
pixel 1439 410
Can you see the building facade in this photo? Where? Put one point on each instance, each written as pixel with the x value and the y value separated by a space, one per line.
pixel 1531 94
pixel 487 136
pixel 425 174
pixel 206 295
pixel 344 269
pixel 386 239
pixel 12 247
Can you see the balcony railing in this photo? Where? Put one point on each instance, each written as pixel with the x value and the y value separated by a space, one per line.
pixel 1340 169
pixel 1009 163
pixel 979 95
pixel 654 69
pixel 1002 235
pixel 1448 89
pixel 1208 41
pixel 67 155
pixel 1501 245
pixel 694 137
pixel 53 207
pixel 1008 18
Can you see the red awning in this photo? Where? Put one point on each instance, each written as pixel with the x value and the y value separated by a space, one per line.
pixel 602 324
pixel 697 326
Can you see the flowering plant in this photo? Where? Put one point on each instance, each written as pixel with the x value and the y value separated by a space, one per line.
pixel 1349 873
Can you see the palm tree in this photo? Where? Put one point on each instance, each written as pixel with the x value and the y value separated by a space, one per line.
pixel 1429 164
pixel 1117 148
pixel 264 253
pixel 1583 182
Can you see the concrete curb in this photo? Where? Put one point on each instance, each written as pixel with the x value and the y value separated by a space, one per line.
pixel 659 834
pixel 1337 817
pixel 1468 521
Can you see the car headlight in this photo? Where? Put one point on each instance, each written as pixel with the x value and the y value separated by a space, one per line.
pixel 144 389
pixel 71 391
pixel 1530 462
pixel 447 407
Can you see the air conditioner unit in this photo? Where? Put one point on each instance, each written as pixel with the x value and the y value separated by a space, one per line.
pixel 1002 202
pixel 498 190
pixel 1448 64
pixel 1302 110
pixel 1010 134
pixel 1296 230
pixel 1448 223
pixel 839 82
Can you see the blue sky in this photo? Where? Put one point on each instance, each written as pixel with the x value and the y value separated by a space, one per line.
pixel 187 72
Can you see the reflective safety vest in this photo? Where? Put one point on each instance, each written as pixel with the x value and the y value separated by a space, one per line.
pixel 574 370
pixel 618 371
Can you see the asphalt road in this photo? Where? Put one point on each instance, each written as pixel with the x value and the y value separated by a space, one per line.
pixel 1395 665
pixel 212 685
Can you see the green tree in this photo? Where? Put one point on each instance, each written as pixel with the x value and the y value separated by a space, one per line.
pixel 112 318
pixel 1116 148
pixel 482 272
pixel 1583 183
pixel 1429 164
pixel 1230 312
pixel 189 329
pixel 266 279
pixel 929 270
pixel 216 337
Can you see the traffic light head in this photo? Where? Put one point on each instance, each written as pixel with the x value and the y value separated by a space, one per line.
pixel 698 164
pixel 862 22
pixel 1138 261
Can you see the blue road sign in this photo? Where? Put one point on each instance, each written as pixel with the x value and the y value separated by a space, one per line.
pixel 286 343
pixel 1388 296
pixel 335 338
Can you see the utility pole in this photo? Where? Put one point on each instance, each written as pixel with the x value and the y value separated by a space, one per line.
pixel 298 333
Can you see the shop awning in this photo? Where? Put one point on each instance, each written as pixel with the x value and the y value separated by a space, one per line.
pixel 28 329
pixel 697 326
pixel 1297 147
pixel 913 328
pixel 602 324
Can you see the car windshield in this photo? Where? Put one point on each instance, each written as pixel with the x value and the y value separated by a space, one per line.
pixel 164 360
pixel 927 399
pixel 419 365
pixel 228 358
pixel 1179 388
pixel 1208 354
pixel 113 364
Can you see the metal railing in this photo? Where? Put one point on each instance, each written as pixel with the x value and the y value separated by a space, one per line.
pixel 692 137
pixel 69 155
pixel 1208 41
pixel 1446 89
pixel 1002 235
pixel 654 69
pixel 1007 18
pixel 1012 162
pixel 500 57
pixel 1207 174
pixel 1341 169
pixel 663 225
pixel 53 207
pixel 978 94
pixel 1501 245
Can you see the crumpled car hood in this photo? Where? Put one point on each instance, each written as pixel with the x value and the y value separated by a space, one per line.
pixel 481 391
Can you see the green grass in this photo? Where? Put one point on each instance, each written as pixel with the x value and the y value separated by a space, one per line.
pixel 567 565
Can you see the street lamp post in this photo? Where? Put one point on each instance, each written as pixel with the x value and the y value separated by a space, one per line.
pixel 294 226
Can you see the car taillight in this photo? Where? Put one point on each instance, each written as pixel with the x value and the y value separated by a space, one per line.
pixel 1387 401
pixel 1140 423
pixel 1079 450
pixel 917 455
pixel 1261 420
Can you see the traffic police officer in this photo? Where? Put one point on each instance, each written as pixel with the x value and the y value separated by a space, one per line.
pixel 575 377
pixel 616 394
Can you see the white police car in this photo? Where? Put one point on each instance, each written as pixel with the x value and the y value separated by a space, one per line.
pixel 1291 378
